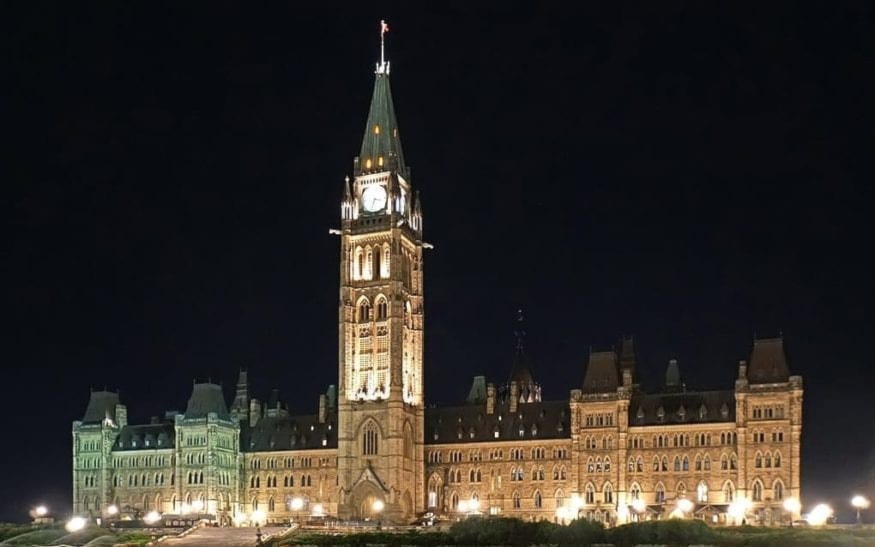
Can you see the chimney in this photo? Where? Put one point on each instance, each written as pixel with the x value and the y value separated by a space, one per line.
pixel 254 412
pixel 514 395
pixel 742 370
pixel 323 408
pixel 490 398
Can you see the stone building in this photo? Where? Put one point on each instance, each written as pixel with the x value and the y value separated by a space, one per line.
pixel 609 451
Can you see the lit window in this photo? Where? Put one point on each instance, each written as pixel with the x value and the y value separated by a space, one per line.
pixel 368 163
pixel 376 130
pixel 380 161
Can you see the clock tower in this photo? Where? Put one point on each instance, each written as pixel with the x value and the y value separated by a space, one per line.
pixel 380 400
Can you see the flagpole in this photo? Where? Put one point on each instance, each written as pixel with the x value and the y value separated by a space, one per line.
pixel 383 43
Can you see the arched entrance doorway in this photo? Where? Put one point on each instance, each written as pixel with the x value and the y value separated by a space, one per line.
pixel 367 501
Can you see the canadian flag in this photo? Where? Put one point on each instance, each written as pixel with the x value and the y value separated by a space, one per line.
pixel 384 28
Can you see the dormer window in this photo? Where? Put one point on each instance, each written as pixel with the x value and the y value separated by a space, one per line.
pixel 724 411
pixel 660 414
pixel 640 414
pixel 703 412
pixel 682 413
pixel 495 432
pixel 534 430
pixel 522 431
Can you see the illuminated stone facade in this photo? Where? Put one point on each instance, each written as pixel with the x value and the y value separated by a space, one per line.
pixel 504 451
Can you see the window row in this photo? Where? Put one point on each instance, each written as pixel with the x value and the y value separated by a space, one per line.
pixel 371 262
pixel 599 419
pixel 288 481
pixel 145 479
pixel 590 442
pixel 142 461
pixel 767 460
pixel 288 462
pixel 759 436
pixel 759 412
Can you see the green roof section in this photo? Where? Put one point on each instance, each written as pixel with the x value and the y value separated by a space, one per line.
pixel 381 144
pixel 206 398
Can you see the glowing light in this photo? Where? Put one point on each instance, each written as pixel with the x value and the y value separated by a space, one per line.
pixel 368 163
pixel 151 517
pixel 463 506
pixel 792 505
pixel 738 508
pixel 638 505
pixel 257 516
pixel 112 510
pixel 623 512
pixel 474 505
pixel 41 510
pixel 75 524
pixel 297 504
pixel 819 515
pixel 198 505
pixel 318 510
pixel 378 506
pixel 685 505
pixel 185 509
pixel 859 502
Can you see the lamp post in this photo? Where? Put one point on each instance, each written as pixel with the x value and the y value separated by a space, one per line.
pixel 859 503
pixel 792 506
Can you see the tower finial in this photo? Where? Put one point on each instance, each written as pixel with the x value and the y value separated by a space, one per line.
pixel 383 67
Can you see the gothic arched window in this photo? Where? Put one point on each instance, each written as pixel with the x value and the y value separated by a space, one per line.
pixel 364 310
pixel 382 309
pixel 369 440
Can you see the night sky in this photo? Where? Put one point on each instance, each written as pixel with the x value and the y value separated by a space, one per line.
pixel 690 176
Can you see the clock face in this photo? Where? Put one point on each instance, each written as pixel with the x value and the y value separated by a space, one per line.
pixel 374 198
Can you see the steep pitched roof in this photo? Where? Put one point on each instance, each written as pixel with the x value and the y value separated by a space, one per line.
pixel 101 405
pixel 206 398
pixel 290 433
pixel 471 423
pixel 601 373
pixel 687 407
pixel 768 364
pixel 381 138
pixel 150 436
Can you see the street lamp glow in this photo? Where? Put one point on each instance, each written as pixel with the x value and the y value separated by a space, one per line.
pixel 257 516
pixel 685 505
pixel 318 510
pixel 638 505
pixel 198 505
pixel 378 506
pixel 112 510
pixel 859 502
pixel 297 504
pixel 75 524
pixel 151 517
pixel 623 512
pixel 185 509
pixel 738 508
pixel 819 515
pixel 473 505
pixel 42 510
pixel 792 505
pixel 463 506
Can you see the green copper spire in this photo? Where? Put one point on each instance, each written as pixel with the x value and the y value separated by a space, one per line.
pixel 381 145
